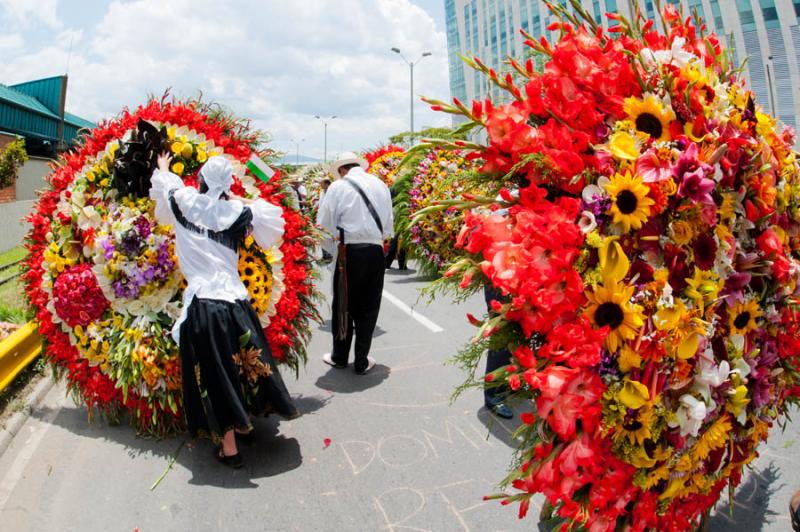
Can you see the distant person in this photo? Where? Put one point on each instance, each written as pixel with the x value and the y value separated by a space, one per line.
pixel 494 396
pixel 323 189
pixel 358 210
pixel 227 369
pixel 395 251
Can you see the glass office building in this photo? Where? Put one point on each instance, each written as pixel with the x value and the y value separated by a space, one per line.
pixel 767 32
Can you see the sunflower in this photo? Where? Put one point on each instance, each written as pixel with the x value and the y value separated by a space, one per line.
pixel 742 317
pixel 256 275
pixel 630 205
pixel 635 427
pixel 610 305
pixel 650 116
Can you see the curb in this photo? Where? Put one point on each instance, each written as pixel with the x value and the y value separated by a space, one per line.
pixel 16 421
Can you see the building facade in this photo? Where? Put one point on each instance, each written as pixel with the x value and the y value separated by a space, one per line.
pixel 36 111
pixel 767 32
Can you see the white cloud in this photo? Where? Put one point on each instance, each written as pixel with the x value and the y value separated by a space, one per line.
pixel 26 13
pixel 279 65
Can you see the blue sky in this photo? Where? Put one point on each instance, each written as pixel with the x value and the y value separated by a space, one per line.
pixel 276 62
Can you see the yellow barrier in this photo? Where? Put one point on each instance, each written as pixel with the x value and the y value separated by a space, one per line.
pixel 17 351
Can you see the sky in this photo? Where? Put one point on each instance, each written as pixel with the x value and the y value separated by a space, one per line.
pixel 276 62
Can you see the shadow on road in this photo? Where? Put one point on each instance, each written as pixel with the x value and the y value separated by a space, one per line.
pixel 499 428
pixel 400 273
pixel 346 381
pixel 327 324
pixel 751 504
pixel 308 404
pixel 270 454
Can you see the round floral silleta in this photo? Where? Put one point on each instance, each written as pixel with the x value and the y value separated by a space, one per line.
pixel 384 162
pixel 440 175
pixel 121 358
pixel 646 252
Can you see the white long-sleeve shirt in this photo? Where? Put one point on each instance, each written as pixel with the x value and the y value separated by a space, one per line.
pixel 343 207
pixel 210 268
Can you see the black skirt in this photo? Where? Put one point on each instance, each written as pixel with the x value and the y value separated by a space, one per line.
pixel 227 369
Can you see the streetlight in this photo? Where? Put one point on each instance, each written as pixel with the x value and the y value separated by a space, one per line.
pixel 297 145
pixel 411 68
pixel 771 93
pixel 325 126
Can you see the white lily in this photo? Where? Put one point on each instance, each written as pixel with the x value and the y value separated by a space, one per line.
pixel 690 415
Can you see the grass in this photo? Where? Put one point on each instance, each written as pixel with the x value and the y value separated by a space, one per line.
pixel 13 307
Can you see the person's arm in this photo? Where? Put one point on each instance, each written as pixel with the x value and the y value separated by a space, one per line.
pixel 268 223
pixel 162 183
pixel 326 219
pixel 388 222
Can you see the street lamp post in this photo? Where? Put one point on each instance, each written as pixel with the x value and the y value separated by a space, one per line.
pixel 325 128
pixel 411 69
pixel 297 153
pixel 771 93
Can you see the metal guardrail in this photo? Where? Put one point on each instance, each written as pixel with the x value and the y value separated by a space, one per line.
pixel 8 266
pixel 17 351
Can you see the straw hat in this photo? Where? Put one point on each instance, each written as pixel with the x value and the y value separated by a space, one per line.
pixel 345 158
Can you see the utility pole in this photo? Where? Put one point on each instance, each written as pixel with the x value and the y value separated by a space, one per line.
pixel 325 135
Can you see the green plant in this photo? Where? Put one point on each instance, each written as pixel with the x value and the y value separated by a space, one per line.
pixel 11 159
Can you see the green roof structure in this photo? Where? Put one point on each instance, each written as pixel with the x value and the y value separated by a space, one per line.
pixel 35 110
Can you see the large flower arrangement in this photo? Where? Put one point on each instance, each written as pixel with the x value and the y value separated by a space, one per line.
pixel 384 162
pixel 646 246
pixel 103 275
pixel 439 177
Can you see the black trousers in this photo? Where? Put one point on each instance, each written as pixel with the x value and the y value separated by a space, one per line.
pixel 365 269
pixel 494 359
pixel 395 251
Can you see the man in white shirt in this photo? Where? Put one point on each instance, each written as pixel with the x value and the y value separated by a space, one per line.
pixel 359 207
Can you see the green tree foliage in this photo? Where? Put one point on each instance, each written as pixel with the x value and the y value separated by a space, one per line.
pixel 11 159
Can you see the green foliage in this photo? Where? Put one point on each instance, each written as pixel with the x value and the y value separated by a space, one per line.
pixel 407 138
pixel 11 159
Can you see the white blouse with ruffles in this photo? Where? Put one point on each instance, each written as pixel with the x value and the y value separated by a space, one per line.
pixel 210 269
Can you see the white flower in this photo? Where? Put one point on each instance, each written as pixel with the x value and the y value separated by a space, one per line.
pixel 676 55
pixel 592 193
pixel 741 367
pixel 690 415
pixel 587 222
pixel 708 375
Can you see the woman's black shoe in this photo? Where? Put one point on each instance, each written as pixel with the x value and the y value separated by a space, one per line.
pixel 235 460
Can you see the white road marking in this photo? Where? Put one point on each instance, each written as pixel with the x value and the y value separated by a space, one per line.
pixel 18 467
pixel 413 313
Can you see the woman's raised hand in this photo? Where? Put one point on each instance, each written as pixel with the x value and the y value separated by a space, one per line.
pixel 163 161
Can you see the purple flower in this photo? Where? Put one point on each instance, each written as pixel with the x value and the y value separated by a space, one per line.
pixel 692 174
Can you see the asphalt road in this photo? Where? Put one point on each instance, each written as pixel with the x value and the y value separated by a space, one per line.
pixel 401 456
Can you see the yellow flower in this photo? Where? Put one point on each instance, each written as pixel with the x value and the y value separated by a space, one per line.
pixel 90 176
pixel 622 145
pixel 187 150
pixel 628 359
pixel 614 264
pixel 630 205
pixel 738 399
pixel 650 116
pixel 609 305
pixel 634 394
pixel 667 318
pixel 177 147
pixel 742 317
pixel 202 156
pixel 703 287
pixel 681 232
pixel 713 438
pixel 177 168
pixel 171 133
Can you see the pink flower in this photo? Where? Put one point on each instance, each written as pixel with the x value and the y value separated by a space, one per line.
pixel 651 168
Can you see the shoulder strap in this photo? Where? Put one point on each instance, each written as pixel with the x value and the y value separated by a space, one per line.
pixel 370 208
pixel 230 237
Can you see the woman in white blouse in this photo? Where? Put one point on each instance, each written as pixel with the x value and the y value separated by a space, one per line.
pixel 227 368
